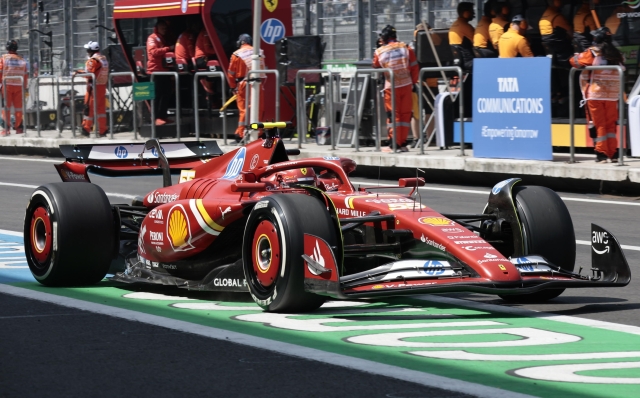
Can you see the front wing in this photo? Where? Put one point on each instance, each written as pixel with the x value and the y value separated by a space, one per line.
pixel 609 268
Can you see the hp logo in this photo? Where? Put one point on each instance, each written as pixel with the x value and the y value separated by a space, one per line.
pixel 272 30
pixel 154 151
pixel 121 152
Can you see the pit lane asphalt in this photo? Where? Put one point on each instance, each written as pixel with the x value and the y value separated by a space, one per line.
pixel 100 355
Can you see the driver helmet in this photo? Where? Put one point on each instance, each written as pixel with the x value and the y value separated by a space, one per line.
pixel 302 176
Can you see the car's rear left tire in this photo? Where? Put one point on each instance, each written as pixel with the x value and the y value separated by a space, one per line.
pixel 69 234
pixel 547 231
pixel 273 246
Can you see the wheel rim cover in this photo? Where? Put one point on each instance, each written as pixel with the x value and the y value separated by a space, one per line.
pixel 266 253
pixel 40 234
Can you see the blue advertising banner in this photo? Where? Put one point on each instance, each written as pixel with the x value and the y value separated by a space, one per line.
pixel 512 108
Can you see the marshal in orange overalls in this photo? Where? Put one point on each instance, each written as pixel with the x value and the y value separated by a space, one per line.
pixel 601 90
pixel 99 66
pixel 13 65
pixel 401 59
pixel 239 66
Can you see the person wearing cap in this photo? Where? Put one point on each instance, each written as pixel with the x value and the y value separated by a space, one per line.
pixel 481 38
pixel 157 47
pixel 99 66
pixel 513 42
pixel 500 22
pixel 12 65
pixel 239 68
pixel 401 59
pixel 601 91
pixel 461 34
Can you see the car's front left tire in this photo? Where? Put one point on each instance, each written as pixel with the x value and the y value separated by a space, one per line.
pixel 273 246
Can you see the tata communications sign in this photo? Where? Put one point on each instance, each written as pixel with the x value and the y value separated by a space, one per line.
pixel 512 108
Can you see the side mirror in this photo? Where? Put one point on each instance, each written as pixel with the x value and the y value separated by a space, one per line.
pixel 411 182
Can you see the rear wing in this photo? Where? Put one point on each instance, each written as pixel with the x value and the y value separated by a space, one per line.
pixel 150 158
pixel 95 153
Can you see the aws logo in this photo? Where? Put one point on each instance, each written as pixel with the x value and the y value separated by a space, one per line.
pixel 179 229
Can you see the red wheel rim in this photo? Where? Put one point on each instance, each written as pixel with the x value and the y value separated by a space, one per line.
pixel 41 236
pixel 266 253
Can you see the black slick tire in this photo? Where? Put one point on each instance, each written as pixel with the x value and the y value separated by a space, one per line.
pixel 69 234
pixel 273 246
pixel 547 231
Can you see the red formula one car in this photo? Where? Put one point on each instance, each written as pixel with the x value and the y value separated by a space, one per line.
pixel 295 232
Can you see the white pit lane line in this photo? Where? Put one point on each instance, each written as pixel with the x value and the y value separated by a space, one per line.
pixel 60 160
pixel 313 354
pixel 116 195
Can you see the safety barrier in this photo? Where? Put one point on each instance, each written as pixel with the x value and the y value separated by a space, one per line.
pixel 111 105
pixel 56 101
pixel 73 102
pixel 356 124
pixel 460 99
pixel 300 107
pixel 196 79
pixel 153 108
pixel 248 97
pixel 4 107
pixel 572 148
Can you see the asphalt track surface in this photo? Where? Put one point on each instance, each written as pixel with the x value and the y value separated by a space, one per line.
pixel 108 340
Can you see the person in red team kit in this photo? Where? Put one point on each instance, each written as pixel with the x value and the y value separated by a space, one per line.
pixel 12 64
pixel 601 90
pixel 186 45
pixel 99 66
pixel 157 47
pixel 239 66
pixel 401 59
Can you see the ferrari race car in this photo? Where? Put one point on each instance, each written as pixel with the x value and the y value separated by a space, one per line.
pixel 294 233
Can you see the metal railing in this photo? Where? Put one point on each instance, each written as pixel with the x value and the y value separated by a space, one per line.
pixel 56 101
pixel 4 107
pixel 460 99
pixel 111 103
pixel 153 101
pixel 196 79
pixel 572 72
pixel 301 108
pixel 356 121
pixel 73 103
pixel 248 97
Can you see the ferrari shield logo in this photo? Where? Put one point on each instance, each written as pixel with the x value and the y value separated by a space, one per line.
pixel 271 5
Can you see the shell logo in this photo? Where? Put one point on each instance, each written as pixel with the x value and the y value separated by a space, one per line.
pixel 377 287
pixel 178 229
pixel 436 221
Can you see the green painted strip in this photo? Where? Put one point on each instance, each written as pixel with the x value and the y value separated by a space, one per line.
pixel 404 332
